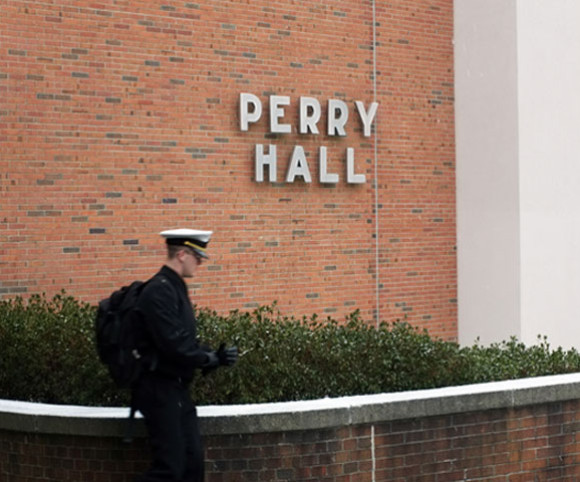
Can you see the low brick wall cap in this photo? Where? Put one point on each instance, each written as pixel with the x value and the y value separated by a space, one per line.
pixel 301 415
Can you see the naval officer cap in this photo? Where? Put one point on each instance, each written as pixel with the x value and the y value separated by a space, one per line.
pixel 192 238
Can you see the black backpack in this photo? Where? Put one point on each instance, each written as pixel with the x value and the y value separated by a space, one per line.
pixel 117 334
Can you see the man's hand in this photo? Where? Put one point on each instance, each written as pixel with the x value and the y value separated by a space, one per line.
pixel 213 360
pixel 227 356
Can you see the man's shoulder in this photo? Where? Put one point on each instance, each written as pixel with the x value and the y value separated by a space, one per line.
pixel 164 275
pixel 158 283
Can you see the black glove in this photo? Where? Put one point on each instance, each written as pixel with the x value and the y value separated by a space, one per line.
pixel 227 356
pixel 212 362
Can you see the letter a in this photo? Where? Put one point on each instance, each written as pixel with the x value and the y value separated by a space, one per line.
pixel 298 166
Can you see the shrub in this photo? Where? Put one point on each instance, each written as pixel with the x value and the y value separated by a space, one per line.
pixel 47 354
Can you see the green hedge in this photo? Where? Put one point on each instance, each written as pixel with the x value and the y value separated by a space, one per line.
pixel 47 354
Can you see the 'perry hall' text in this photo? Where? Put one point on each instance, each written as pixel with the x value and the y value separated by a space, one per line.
pixel 309 116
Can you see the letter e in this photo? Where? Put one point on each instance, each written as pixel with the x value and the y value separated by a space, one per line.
pixel 277 112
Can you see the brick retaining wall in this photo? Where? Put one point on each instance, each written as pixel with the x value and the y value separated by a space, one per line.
pixel 508 431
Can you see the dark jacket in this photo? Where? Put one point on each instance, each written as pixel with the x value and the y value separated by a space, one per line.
pixel 170 324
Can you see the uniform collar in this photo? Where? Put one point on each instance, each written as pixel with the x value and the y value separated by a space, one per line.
pixel 173 276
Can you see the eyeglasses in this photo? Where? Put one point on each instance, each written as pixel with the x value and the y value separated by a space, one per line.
pixel 197 257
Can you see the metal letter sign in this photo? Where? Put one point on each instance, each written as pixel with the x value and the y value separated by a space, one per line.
pixel 310 114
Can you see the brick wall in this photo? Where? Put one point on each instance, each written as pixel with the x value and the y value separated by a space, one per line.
pixel 120 119
pixel 533 443
pixel 495 434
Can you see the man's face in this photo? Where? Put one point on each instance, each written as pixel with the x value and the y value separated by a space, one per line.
pixel 191 260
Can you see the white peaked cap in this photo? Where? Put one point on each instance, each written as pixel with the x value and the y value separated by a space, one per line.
pixel 193 238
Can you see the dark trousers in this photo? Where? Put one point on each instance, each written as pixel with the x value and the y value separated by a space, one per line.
pixel 172 424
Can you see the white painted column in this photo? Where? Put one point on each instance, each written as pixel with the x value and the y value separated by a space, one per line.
pixel 488 214
pixel 518 169
pixel 549 119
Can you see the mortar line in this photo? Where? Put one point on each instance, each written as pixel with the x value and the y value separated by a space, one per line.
pixel 376 181
pixel 373 454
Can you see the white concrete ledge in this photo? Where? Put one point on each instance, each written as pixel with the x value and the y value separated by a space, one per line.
pixel 301 415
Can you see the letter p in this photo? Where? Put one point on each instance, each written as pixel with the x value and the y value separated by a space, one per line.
pixel 247 116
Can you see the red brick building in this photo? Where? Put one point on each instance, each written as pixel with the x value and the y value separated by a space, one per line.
pixel 119 119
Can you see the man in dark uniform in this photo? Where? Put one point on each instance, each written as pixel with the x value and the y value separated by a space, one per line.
pixel 162 394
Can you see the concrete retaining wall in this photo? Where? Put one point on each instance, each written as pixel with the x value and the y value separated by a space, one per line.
pixel 524 429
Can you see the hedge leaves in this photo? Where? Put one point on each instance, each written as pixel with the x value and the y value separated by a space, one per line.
pixel 47 354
